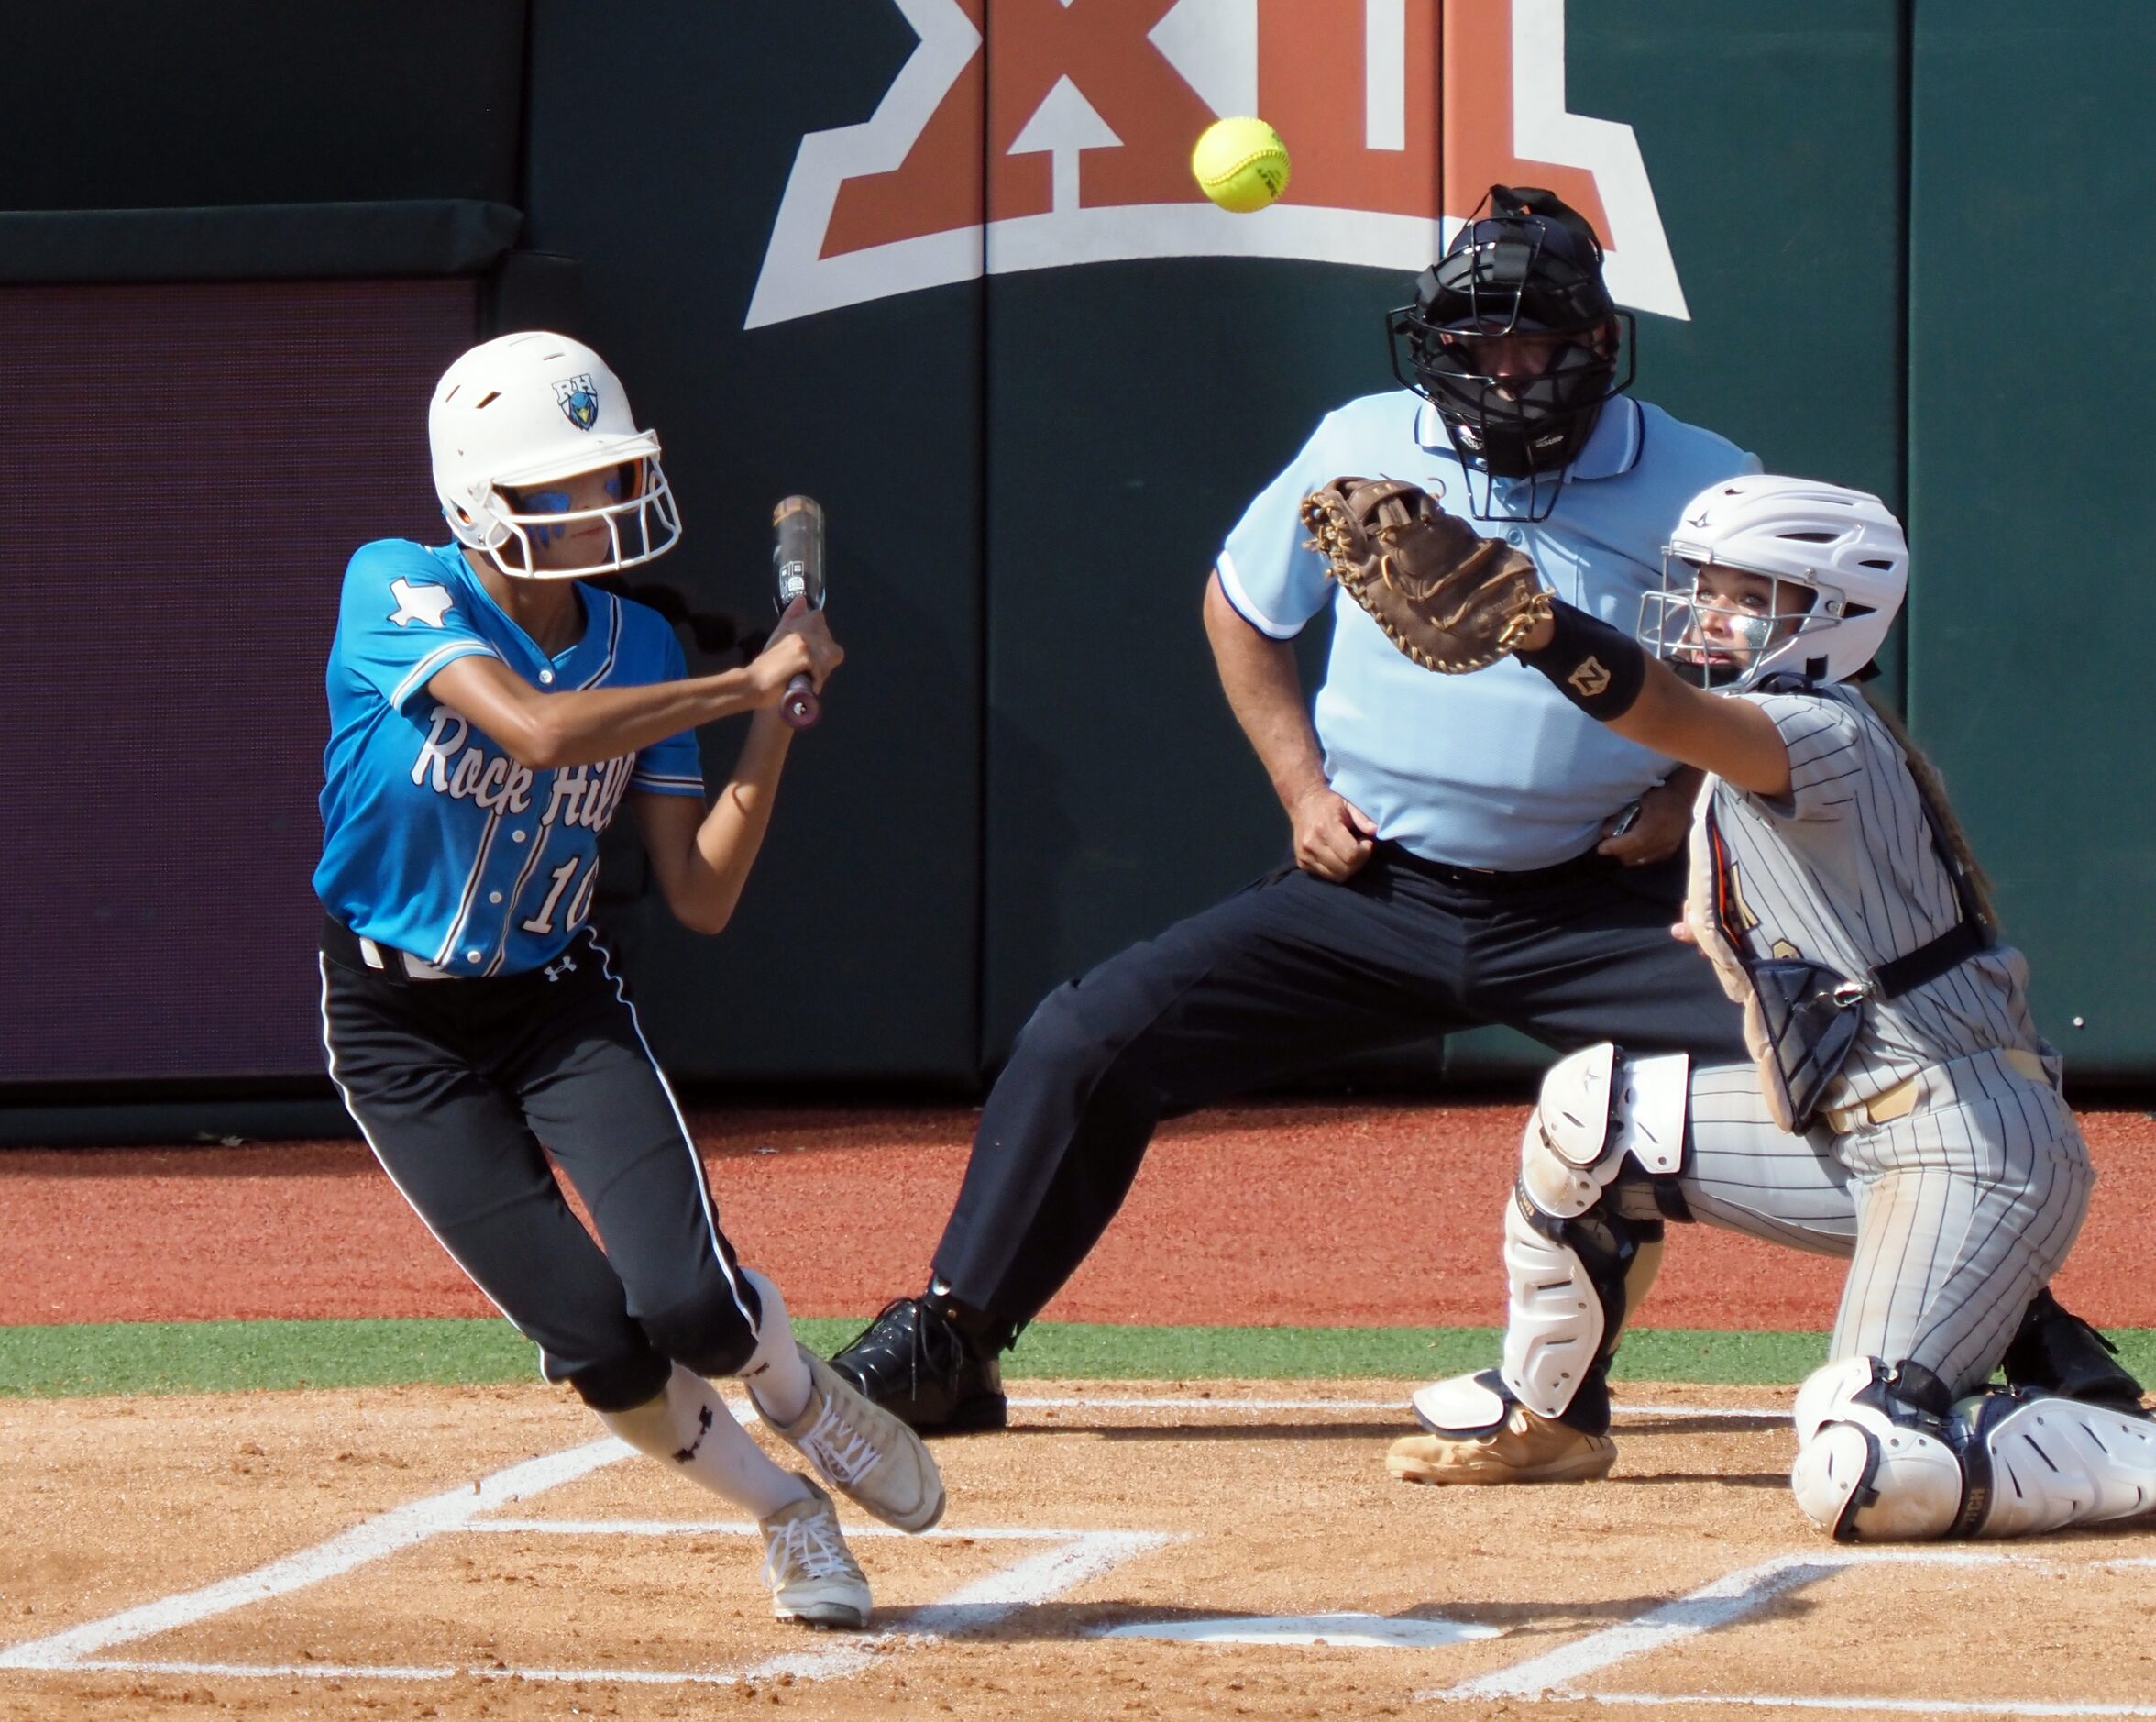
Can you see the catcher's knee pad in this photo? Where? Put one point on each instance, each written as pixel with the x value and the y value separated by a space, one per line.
pixel 1575 1260
pixel 1877 1460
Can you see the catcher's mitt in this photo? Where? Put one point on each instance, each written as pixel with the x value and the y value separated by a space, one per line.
pixel 1450 599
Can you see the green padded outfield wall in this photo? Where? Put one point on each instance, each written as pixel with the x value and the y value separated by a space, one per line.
pixel 940 263
pixel 662 137
pixel 2031 509
pixel 1135 404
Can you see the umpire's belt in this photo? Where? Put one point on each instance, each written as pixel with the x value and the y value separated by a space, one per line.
pixel 1492 880
pixel 1900 1100
pixel 348 947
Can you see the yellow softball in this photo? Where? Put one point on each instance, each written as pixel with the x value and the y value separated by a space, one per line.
pixel 1240 164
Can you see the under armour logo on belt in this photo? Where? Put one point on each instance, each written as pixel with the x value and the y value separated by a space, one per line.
pixel 555 971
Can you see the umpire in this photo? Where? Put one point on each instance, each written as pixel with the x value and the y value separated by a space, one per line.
pixel 1457 857
pixel 1467 849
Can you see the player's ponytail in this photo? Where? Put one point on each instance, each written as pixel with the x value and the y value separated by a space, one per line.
pixel 1932 788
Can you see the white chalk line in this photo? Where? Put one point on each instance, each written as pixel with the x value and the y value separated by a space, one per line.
pixel 1765 1414
pixel 1850 1707
pixel 1079 1555
pixel 811 1666
pixel 749 1528
pixel 1726 1599
pixel 372 1539
pixel 1554 1675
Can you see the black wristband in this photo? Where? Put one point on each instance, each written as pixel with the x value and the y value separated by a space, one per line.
pixel 1590 663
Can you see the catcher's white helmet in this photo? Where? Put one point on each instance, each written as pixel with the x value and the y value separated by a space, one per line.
pixel 1842 545
pixel 523 409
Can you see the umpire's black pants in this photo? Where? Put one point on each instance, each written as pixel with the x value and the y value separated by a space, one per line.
pixel 1285 977
pixel 456 1083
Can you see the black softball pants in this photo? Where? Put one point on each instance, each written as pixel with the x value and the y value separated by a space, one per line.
pixel 1287 976
pixel 456 1084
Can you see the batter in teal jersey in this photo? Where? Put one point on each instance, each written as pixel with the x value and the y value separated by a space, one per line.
pixel 491 714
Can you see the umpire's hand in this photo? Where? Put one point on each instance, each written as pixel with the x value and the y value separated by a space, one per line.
pixel 1664 821
pixel 1333 836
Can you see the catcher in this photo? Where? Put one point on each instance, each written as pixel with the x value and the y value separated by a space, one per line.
pixel 1901 1109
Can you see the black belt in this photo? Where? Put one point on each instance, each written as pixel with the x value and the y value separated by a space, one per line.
pixel 344 946
pixel 1491 880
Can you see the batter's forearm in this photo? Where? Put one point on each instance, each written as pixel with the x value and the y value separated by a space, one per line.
pixel 732 834
pixel 581 727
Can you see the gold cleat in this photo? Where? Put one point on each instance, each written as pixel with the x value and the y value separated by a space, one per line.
pixel 1524 1448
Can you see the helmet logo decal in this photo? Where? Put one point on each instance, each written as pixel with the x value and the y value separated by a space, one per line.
pixel 1089 118
pixel 579 400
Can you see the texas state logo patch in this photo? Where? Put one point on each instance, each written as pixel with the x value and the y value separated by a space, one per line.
pixel 578 400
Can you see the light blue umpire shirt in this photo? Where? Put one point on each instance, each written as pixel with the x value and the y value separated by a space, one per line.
pixel 1493 770
pixel 434 839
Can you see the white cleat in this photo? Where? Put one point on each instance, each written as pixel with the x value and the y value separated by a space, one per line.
pixel 813 1576
pixel 862 1449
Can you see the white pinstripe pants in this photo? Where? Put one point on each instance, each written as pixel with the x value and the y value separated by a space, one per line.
pixel 1952 1217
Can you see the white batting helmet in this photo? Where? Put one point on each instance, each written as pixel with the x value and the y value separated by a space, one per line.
pixel 1841 544
pixel 523 409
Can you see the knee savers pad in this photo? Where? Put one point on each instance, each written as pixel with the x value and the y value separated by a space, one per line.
pixel 1871 1466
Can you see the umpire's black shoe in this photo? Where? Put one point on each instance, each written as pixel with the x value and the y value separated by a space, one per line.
pixel 914 1362
pixel 2054 1351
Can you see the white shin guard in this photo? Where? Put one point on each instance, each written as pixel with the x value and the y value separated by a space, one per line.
pixel 2060 1462
pixel 1575 1266
pixel 1554 1321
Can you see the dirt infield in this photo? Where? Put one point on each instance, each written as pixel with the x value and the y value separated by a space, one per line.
pixel 434 1552
pixel 1320 1215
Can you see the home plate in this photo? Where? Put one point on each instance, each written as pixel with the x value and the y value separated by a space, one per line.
pixel 1353 1632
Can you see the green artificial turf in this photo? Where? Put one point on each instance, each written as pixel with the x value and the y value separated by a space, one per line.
pixel 222 1356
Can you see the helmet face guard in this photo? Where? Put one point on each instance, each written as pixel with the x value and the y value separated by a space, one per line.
pixel 1515 276
pixel 640 526
pixel 1779 640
